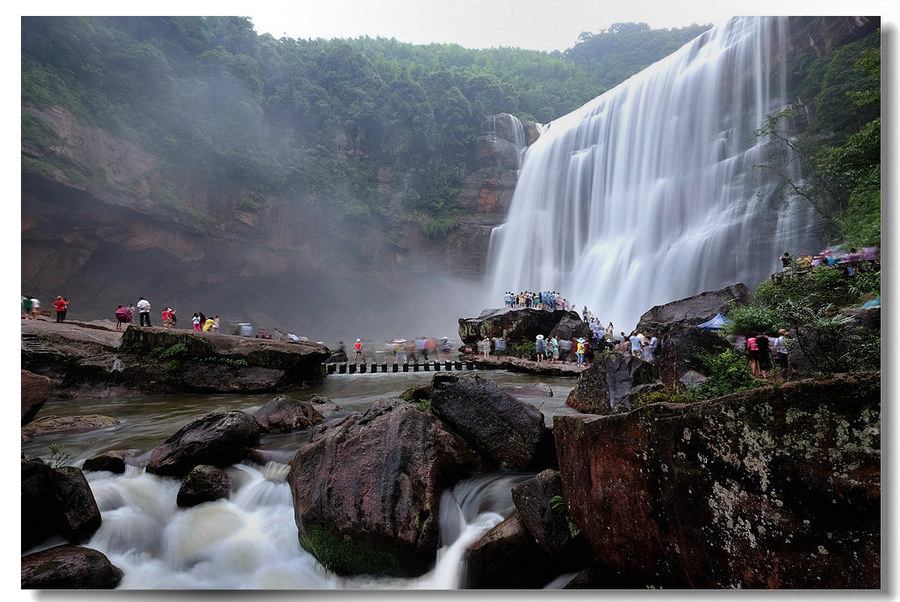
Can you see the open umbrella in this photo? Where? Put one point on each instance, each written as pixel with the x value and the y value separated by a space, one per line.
pixel 833 250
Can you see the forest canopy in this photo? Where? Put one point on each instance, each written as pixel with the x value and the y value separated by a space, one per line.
pixel 312 119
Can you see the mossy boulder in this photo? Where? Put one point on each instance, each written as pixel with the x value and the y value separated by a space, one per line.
pixel 774 487
pixel 367 489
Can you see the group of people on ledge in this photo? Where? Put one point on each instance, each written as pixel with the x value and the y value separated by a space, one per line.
pixel 550 300
pixel 833 256
pixel 578 349
pixel 31 308
pixel 125 314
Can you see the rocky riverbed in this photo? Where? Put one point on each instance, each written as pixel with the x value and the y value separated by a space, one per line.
pixel 774 487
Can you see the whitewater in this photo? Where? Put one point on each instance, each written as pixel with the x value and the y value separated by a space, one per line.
pixel 657 190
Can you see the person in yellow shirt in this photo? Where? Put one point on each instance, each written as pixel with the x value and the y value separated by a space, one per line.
pixel 579 351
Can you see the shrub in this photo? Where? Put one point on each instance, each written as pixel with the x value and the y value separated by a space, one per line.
pixel 526 350
pixel 726 373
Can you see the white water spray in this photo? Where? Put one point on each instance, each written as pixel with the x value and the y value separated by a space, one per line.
pixel 250 540
pixel 651 192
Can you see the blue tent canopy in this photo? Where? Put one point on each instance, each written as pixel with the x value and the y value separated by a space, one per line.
pixel 715 323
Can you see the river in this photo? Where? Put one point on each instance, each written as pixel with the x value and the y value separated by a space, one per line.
pixel 250 540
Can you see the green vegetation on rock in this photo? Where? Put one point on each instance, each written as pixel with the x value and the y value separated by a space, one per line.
pixel 344 556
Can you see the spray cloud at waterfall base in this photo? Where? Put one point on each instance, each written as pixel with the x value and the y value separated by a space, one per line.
pixel 653 191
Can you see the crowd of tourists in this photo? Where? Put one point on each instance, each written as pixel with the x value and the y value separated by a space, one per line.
pixel 407 350
pixel 833 256
pixel 550 300
pixel 199 321
pixel 123 314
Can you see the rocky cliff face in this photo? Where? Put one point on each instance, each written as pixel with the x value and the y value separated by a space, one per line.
pixel 105 226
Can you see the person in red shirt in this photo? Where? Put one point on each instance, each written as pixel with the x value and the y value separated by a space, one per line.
pixel 60 305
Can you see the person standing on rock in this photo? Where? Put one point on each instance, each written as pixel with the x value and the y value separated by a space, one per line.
pixel 35 307
pixel 779 352
pixel 540 348
pixel 764 356
pixel 654 348
pixel 635 344
pixel 358 346
pixel 143 307
pixel 579 350
pixel 27 308
pixel 753 356
pixel 553 350
pixel 60 305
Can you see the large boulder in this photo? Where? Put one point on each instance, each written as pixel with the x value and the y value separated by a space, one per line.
pixel 542 508
pixel 56 501
pixel 200 361
pixel 204 483
pixel 678 346
pixel 507 557
pixel 324 405
pixel 36 390
pixel 367 489
pixel 514 325
pixel 219 439
pixel 284 414
pixel 111 461
pixel 510 432
pixel 609 383
pixel 571 327
pixel 69 567
pixel 775 487
pixel 55 425
pixel 693 310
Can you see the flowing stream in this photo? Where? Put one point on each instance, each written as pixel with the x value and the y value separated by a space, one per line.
pixel 250 540
pixel 656 190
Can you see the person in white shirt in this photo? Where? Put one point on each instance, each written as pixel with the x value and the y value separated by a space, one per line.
pixel 143 307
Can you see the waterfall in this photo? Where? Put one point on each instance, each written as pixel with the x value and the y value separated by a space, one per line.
pixel 652 192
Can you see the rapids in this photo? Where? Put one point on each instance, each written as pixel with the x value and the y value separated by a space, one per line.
pixel 250 540
pixel 653 191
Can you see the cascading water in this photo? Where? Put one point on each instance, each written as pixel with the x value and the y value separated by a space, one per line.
pixel 653 192
pixel 250 541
